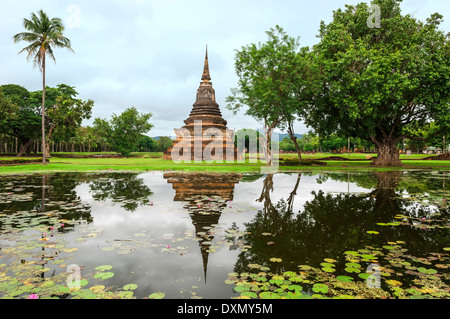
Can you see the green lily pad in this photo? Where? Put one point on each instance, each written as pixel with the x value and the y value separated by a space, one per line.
pixel 429 271
pixel 363 276
pixel 328 269
pixel 157 295
pixel 250 294
pixel 103 267
pixel 296 288
pixel 352 269
pixel 320 288
pixel 126 294
pixel 354 265
pixel 269 295
pixel 104 275
pixel 130 287
pixel 241 288
pixel 367 256
pixel 344 278
pixel 304 267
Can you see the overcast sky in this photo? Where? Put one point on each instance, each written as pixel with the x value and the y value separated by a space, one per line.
pixel 150 54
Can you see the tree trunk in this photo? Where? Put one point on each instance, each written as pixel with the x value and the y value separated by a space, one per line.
pixel 266 140
pixel 294 139
pixel 387 154
pixel 25 148
pixel 387 203
pixel 268 209
pixel 47 148
pixel 44 160
pixel 291 198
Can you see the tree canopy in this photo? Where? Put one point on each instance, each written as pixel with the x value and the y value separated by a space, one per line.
pixel 124 131
pixel 375 82
pixel 270 75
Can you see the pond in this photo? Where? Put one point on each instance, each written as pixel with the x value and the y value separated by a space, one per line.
pixel 178 235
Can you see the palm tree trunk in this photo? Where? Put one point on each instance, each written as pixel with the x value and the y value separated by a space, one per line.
pixel 44 161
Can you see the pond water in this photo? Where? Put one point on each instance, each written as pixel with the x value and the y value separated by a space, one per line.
pixel 196 235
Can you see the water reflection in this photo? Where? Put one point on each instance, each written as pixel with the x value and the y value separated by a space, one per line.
pixel 299 218
pixel 42 200
pixel 330 223
pixel 127 189
pixel 205 195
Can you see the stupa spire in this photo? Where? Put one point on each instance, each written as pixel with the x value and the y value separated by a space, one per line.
pixel 206 77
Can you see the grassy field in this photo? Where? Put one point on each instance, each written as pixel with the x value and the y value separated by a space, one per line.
pixel 154 162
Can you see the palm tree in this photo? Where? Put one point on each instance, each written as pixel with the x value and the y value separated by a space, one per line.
pixel 43 34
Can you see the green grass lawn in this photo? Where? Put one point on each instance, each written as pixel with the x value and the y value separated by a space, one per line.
pixel 354 156
pixel 154 162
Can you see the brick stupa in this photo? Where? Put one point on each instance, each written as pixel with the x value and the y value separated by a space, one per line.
pixel 205 135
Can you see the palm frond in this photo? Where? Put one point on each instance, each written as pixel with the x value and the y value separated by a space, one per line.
pixel 63 42
pixel 32 49
pixel 44 34
pixel 33 24
pixel 26 36
pixel 49 51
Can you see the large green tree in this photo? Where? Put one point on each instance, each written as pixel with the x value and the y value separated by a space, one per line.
pixel 43 34
pixel 64 113
pixel 24 122
pixel 374 82
pixel 147 144
pixel 271 77
pixel 124 131
pixel 163 143
pixel 8 112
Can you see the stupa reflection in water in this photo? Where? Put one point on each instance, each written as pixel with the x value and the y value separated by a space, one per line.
pixel 205 195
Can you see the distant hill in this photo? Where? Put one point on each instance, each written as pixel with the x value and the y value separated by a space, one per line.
pixel 282 136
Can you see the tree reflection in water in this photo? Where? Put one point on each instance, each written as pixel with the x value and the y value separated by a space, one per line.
pixel 127 189
pixel 330 224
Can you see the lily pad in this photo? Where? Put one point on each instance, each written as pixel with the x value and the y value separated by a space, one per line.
pixel 429 271
pixel 254 266
pixel 130 287
pixel 157 295
pixel 104 275
pixel 320 288
pixel 104 267
pixel 249 294
pixel 344 278
pixel 328 269
pixel 97 288
pixel 269 295
pixel 304 267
